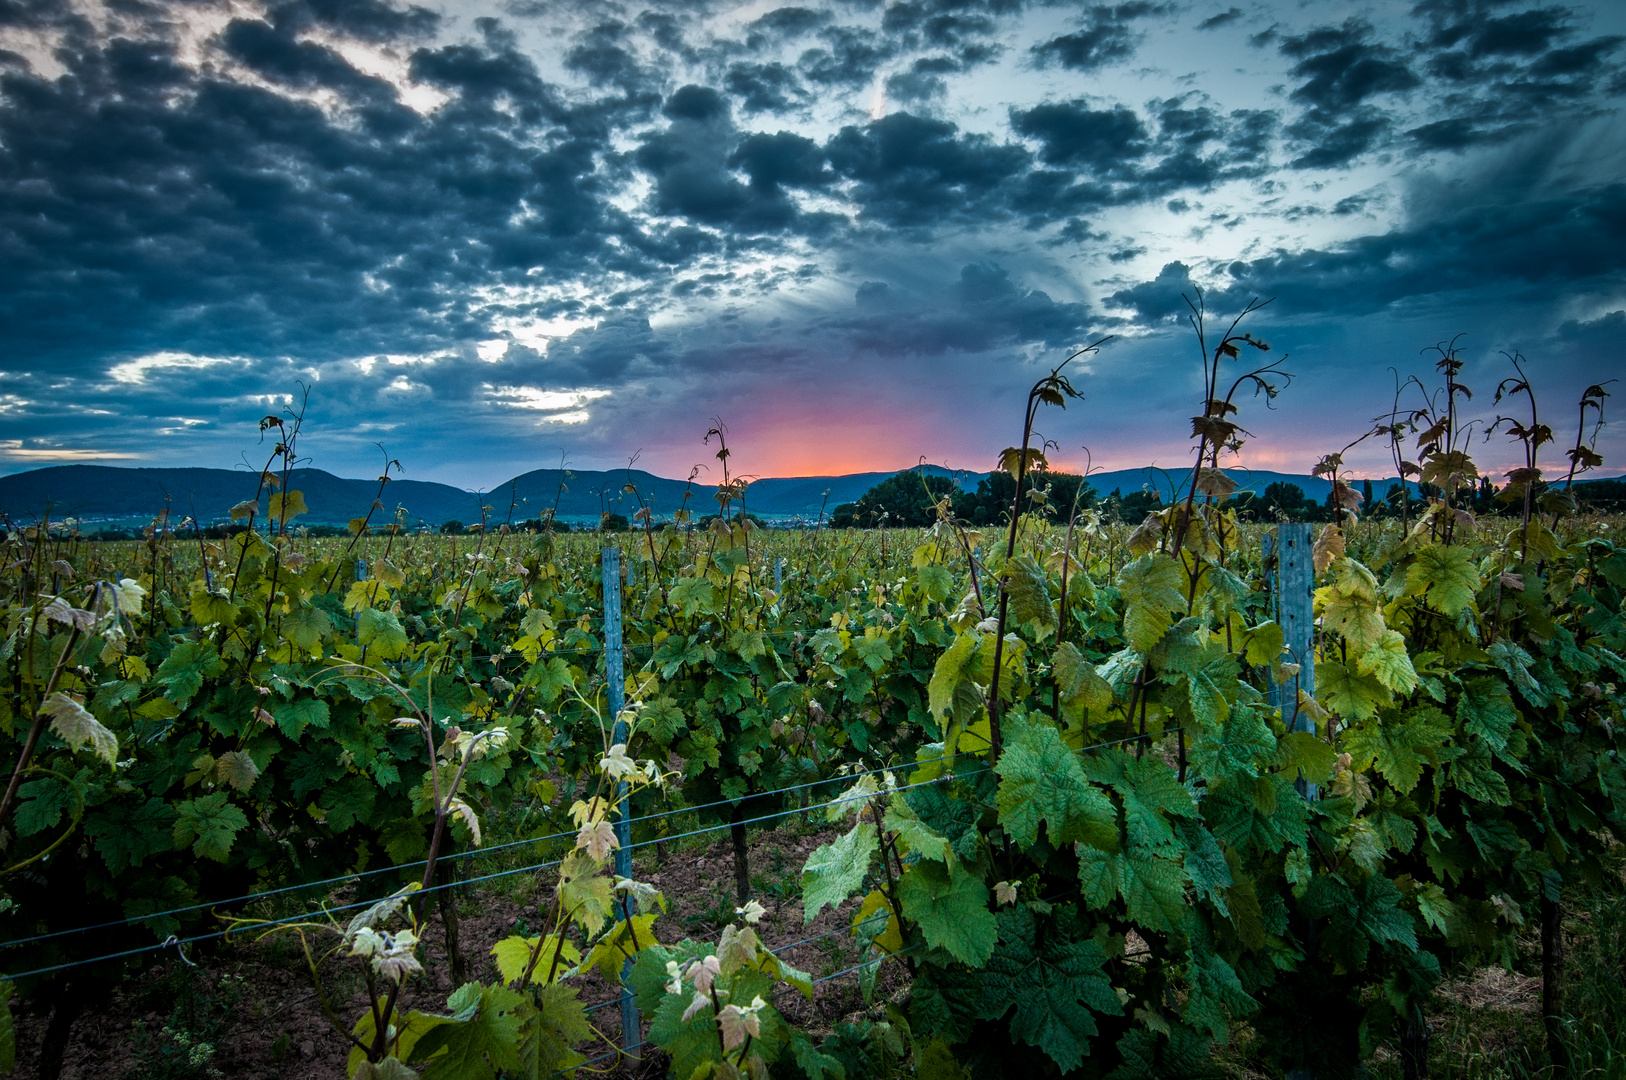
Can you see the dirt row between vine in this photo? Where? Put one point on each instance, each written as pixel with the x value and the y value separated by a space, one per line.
pixel 249 1010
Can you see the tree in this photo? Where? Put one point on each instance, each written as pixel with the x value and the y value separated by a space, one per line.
pixel 907 499
pixel 1289 501
pixel 452 528
pixel 991 502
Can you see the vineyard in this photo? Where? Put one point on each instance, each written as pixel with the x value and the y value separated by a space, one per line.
pixel 1182 797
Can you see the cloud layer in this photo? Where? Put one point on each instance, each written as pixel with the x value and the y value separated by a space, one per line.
pixel 853 231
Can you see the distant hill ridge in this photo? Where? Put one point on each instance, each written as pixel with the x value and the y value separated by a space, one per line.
pixel 103 492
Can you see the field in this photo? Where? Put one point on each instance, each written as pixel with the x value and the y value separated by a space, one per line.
pixel 1060 795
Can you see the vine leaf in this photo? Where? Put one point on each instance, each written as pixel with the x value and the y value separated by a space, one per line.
pixel 73 724
pixel 1445 576
pixel 835 870
pixel 1150 587
pixel 1081 686
pixel 1053 983
pixel 1041 780
pixel 209 825
pixel 1029 591
pixel 1388 662
pixel 951 911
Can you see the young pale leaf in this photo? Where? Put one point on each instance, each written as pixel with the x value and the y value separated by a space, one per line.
pixel 585 895
pixel 73 724
pixel 1388 661
pixel 285 506
pixel 835 870
pixel 1080 685
pixel 1028 588
pixel 236 770
pixel 1446 576
pixel 1150 587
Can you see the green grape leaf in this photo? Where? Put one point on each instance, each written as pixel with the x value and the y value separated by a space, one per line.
pixel 1446 576
pixel 1154 891
pixel 126 834
pixel 956 676
pixel 1079 684
pixel 1349 693
pixel 306 626
pixel 815 1065
pixel 1387 660
pixel 480 1047
pixel 585 895
pixel 211 606
pixel 693 596
pixel 209 825
pixel 293 717
pixel 1149 789
pixel 1029 592
pixel 1264 644
pixel 1398 746
pixel 284 506
pixel 873 652
pixel 835 870
pixel 381 633
pixel 1041 780
pixel 1053 986
pixel 42 803
pixel 550 1032
pixel 1486 709
pixel 1150 588
pixel 917 837
pixel 1216 994
pixel 1101 875
pixel 184 669
pixel 1303 752
pixel 951 911
pixel 935 582
pixel 1206 866
pixel 404 840
pixel 1357 618
pixel 551 678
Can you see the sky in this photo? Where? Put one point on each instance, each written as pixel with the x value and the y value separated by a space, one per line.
pixel 488 237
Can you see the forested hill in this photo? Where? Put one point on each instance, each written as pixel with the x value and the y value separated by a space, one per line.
pixel 103 492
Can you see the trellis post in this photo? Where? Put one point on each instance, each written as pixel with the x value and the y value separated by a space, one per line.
pixel 631 1033
pixel 1294 596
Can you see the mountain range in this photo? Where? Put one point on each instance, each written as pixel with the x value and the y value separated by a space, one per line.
pixel 107 493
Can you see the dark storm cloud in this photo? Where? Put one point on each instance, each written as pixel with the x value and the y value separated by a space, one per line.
pixel 847 58
pixel 693 163
pixel 1507 249
pixel 1107 36
pixel 789 22
pixel 911 171
pixel 1105 157
pixel 1224 18
pixel 1504 72
pixel 1342 69
pixel 151 206
pixel 765 87
pixel 983 311
pixel 367 20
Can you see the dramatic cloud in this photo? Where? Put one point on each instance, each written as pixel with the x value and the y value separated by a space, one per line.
pixel 486 233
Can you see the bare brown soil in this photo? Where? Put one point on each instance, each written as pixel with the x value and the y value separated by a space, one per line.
pixel 249 1009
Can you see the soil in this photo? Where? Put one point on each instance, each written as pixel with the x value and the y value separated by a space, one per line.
pixel 249 1009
